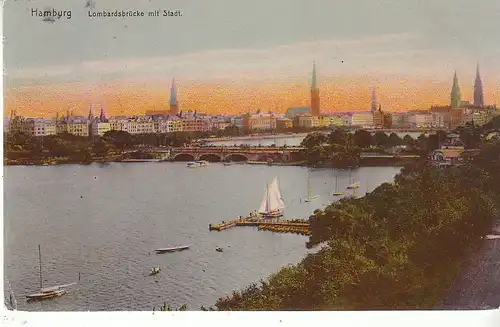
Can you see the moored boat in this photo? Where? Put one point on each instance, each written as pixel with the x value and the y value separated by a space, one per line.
pixel 154 271
pixel 196 164
pixel 272 204
pixel 49 292
pixel 172 249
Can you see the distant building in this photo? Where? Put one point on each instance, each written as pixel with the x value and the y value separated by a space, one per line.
pixel 478 89
pixel 174 104
pixel 295 111
pixel 374 101
pixel 378 117
pixel 360 119
pixel 456 96
pixel 283 124
pixel 259 121
pixel 306 121
pixel 315 101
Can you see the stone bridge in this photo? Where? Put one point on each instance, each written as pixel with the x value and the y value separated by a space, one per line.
pixel 216 154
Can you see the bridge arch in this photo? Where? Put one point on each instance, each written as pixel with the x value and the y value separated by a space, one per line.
pixel 211 157
pixel 184 157
pixel 238 157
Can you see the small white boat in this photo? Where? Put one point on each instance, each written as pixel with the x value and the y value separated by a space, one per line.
pixel 196 164
pixel 492 237
pixel 154 271
pixel 227 163
pixel 172 249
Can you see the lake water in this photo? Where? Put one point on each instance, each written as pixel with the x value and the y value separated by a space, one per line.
pixel 104 221
pixel 289 141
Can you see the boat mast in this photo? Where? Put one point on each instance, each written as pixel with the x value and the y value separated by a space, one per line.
pixel 309 195
pixel 267 200
pixel 40 261
pixel 336 181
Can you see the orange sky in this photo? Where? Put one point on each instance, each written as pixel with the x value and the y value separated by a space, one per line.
pixel 136 97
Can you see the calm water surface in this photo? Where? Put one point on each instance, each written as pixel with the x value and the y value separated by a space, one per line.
pixel 104 221
pixel 290 141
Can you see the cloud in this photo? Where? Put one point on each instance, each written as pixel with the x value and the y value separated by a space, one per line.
pixel 278 61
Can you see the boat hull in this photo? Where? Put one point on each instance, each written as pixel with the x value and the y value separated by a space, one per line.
pixel 338 193
pixel 271 215
pixel 45 296
pixel 166 250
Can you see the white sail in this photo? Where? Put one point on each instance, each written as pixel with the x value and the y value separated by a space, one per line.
pixel 263 204
pixel 272 200
pixel 275 191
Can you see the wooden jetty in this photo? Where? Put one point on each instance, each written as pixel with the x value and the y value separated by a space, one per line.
pixel 284 226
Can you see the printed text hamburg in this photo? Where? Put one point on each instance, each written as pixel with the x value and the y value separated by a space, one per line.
pixel 134 13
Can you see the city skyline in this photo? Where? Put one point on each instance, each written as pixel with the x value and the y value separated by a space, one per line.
pixel 407 52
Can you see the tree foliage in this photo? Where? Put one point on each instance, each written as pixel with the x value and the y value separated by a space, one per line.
pixel 398 247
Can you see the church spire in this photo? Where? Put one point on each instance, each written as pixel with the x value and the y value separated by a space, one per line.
pixel 478 89
pixel 314 85
pixel 374 100
pixel 456 96
pixel 173 93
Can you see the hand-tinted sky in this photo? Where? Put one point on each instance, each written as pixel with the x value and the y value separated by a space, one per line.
pixel 239 45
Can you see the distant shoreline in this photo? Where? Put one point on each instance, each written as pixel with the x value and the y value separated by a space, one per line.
pixel 255 137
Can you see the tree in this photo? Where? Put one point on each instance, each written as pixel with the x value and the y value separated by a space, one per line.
pixel 394 140
pixel 381 139
pixel 121 140
pixel 363 139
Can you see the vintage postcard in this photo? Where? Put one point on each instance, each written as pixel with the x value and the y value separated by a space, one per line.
pixel 251 155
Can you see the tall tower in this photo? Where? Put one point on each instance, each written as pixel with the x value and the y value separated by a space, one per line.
pixel 91 114
pixel 456 96
pixel 478 90
pixel 314 94
pixel 374 100
pixel 174 106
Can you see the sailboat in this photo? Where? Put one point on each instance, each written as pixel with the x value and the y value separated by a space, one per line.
pixel 353 185
pixel 46 293
pixel 272 204
pixel 310 197
pixel 337 193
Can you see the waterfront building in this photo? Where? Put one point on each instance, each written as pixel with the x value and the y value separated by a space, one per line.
pixel 440 120
pixel 295 111
pixel 315 101
pixel 98 127
pixel 238 121
pixel 174 124
pixel 174 104
pixel 361 119
pixel 283 124
pixel 337 120
pixel 220 124
pixel 306 121
pixel 140 125
pixel 195 125
pixel 324 121
pixel 38 126
pixel 419 119
pixel 259 121
pixel 76 125
pixel 399 120
pixel 478 90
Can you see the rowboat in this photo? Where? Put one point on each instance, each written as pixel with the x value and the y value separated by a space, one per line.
pixel 173 249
